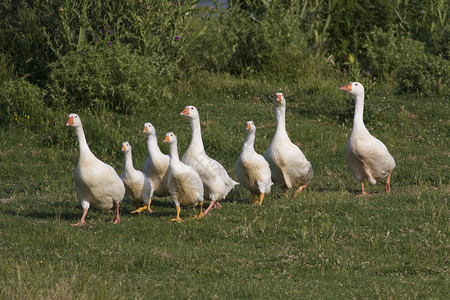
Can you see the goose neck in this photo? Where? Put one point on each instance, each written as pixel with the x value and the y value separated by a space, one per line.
pixel 128 161
pixel 358 122
pixel 82 144
pixel 196 134
pixel 250 141
pixel 173 150
pixel 281 120
pixel 152 144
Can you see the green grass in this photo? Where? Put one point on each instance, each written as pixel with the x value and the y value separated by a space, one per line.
pixel 328 243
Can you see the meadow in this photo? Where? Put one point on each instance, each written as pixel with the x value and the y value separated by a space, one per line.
pixel 326 243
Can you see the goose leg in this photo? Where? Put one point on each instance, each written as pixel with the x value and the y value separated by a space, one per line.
pixel 200 215
pixel 145 207
pixel 217 205
pixel 140 209
pixel 83 217
pixel 211 206
pixel 177 219
pixel 148 205
pixel 261 197
pixel 301 188
pixel 116 219
pixel 363 192
pixel 387 187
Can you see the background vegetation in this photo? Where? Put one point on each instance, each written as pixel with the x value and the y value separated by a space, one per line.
pixel 119 64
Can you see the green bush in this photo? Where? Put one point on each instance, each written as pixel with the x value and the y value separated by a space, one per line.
pixel 425 74
pixel 387 51
pixel 22 104
pixel 104 77
pixel 24 29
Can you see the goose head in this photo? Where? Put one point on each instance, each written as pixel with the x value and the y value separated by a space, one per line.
pixel 73 120
pixel 149 128
pixel 126 147
pixel 354 88
pixel 251 126
pixel 279 100
pixel 191 112
pixel 170 138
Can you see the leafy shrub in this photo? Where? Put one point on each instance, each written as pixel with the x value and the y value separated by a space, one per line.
pixel 22 104
pixel 24 27
pixel 109 77
pixel 35 33
pixel 6 69
pixel 387 51
pixel 424 73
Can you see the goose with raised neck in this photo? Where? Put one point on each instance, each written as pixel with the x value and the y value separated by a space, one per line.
pixel 216 181
pixel 155 167
pixel 252 170
pixel 289 167
pixel 184 183
pixel 96 182
pixel 366 156
pixel 137 186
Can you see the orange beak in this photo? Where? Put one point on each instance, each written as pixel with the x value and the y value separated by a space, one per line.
pixel 124 148
pixel 145 129
pixel 69 121
pixel 278 98
pixel 249 126
pixel 347 88
pixel 185 112
pixel 166 140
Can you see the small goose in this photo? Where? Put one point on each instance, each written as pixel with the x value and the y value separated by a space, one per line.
pixel 184 183
pixel 216 182
pixel 366 156
pixel 252 170
pixel 96 183
pixel 137 186
pixel 289 166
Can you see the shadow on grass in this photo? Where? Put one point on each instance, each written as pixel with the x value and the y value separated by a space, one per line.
pixel 68 212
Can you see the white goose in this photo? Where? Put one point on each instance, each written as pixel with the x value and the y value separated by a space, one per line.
pixel 252 170
pixel 366 156
pixel 137 186
pixel 216 182
pixel 96 183
pixel 184 183
pixel 289 166
pixel 155 167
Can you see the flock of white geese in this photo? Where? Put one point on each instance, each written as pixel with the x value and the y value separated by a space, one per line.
pixel 197 177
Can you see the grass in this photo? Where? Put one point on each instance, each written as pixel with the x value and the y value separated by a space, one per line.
pixel 328 243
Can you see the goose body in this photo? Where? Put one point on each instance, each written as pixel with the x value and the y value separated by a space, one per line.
pixel 366 156
pixel 96 182
pixel 252 170
pixel 216 182
pixel 137 186
pixel 184 183
pixel 155 167
pixel 289 166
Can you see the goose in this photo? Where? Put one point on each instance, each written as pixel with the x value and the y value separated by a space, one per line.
pixel 216 182
pixel 183 182
pixel 289 166
pixel 137 186
pixel 252 170
pixel 155 167
pixel 366 156
pixel 96 182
